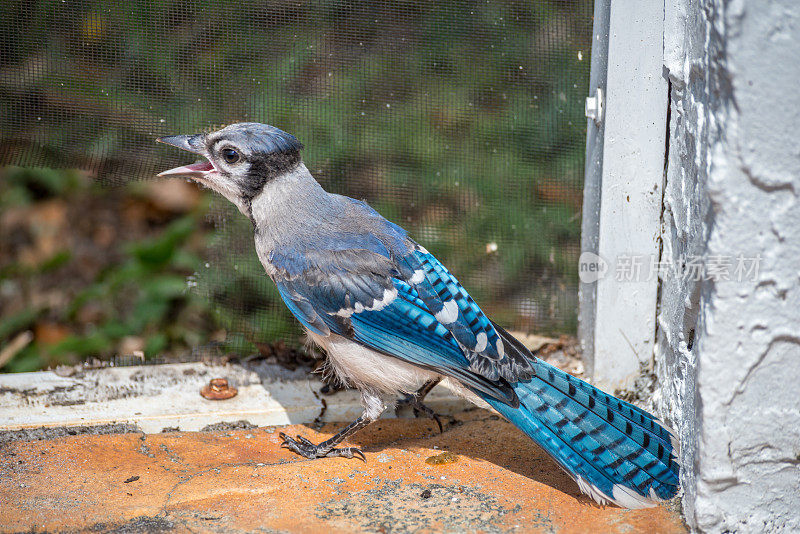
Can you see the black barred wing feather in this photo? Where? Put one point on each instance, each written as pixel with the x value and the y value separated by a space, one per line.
pixel 490 353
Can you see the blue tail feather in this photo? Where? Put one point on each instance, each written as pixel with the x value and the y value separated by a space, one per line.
pixel 615 451
pixel 625 417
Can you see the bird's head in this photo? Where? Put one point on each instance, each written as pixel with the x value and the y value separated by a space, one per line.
pixel 240 159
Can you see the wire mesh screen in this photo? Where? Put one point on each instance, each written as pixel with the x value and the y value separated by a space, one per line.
pixel 461 121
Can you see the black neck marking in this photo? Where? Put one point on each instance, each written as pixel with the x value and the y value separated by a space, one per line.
pixel 264 169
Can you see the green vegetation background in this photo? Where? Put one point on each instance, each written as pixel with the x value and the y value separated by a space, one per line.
pixel 462 121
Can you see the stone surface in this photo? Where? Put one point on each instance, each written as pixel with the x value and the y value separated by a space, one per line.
pixel 240 480
pixel 728 346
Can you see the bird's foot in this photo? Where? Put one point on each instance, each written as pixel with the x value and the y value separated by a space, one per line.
pixel 306 449
pixel 418 407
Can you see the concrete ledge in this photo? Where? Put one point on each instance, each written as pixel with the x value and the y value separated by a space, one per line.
pixel 157 397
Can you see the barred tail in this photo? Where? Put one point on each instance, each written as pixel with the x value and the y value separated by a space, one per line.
pixel 615 451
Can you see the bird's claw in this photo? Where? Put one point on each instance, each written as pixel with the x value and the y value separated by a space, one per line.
pixel 306 449
pixel 418 408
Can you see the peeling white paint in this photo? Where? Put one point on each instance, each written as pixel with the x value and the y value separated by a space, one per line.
pixel 728 351
pixel 156 397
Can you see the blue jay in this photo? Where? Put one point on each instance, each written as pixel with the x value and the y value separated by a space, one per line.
pixel 394 321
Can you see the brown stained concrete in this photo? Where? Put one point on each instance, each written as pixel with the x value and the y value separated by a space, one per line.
pixel 242 481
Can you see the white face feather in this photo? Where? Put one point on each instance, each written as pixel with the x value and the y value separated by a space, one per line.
pixel 232 153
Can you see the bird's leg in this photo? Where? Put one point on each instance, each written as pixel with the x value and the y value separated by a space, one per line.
pixel 415 401
pixel 373 408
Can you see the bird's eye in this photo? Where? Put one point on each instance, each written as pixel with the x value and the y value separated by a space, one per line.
pixel 230 155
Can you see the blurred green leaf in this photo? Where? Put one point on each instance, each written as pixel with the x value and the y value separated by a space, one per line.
pixel 27 360
pixel 157 252
pixel 56 261
pixel 14 323
pixel 85 346
pixel 156 343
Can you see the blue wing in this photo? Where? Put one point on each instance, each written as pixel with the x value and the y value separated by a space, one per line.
pixel 405 328
pixel 364 300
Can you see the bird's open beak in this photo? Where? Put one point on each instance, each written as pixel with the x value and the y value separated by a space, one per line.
pixel 192 143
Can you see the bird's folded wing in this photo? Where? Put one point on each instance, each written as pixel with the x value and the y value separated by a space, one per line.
pixel 359 295
pixel 406 329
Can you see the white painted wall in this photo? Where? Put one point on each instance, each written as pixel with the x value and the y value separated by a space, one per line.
pixel 728 351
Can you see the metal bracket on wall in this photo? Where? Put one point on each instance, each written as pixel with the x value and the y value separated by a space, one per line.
pixel 595 105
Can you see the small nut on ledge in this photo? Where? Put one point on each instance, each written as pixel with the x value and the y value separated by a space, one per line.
pixel 218 389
